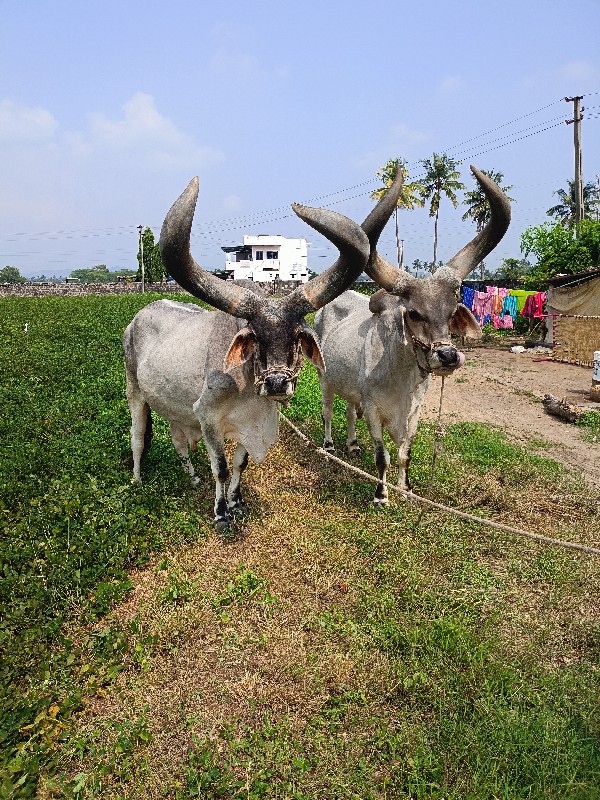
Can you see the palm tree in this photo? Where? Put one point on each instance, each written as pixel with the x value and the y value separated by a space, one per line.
pixel 564 212
pixel 478 207
pixel 441 177
pixel 408 198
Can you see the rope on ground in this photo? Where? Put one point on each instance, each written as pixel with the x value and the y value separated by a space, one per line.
pixel 418 500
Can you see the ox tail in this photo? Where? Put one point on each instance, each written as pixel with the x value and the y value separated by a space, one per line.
pixel 147 432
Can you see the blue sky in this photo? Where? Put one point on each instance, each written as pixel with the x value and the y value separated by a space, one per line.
pixel 108 109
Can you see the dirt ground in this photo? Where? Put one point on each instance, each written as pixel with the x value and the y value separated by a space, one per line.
pixel 505 389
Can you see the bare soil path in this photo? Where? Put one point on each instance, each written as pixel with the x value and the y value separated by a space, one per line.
pixel 499 387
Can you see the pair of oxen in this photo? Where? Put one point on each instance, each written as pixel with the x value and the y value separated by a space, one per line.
pixel 220 375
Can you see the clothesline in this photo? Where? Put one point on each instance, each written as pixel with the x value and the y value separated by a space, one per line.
pixel 502 306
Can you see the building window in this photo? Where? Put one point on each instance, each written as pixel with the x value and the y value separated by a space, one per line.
pixel 272 254
pixel 259 255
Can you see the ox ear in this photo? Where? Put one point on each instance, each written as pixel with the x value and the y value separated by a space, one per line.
pixel 310 347
pixel 241 349
pixel 381 301
pixel 464 323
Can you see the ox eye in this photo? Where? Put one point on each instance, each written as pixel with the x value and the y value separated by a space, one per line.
pixel 415 316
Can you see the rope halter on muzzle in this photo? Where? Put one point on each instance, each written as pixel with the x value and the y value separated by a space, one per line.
pixel 290 374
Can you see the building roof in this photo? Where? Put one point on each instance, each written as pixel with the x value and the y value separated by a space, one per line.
pixel 575 278
pixel 237 248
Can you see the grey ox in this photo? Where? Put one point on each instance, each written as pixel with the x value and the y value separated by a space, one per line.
pixel 221 374
pixel 381 352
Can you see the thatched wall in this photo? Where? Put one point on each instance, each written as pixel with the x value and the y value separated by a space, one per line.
pixel 575 338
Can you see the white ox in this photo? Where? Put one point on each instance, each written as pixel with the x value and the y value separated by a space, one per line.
pixel 381 352
pixel 220 374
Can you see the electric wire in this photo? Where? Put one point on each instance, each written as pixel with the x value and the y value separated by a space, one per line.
pixel 211 229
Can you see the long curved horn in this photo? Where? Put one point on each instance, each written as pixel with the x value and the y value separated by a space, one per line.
pixel 353 245
pixel 378 269
pixel 177 258
pixel 485 241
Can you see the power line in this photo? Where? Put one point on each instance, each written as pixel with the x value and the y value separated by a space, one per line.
pixel 209 229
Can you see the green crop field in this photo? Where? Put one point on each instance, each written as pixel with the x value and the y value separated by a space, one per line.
pixel 322 650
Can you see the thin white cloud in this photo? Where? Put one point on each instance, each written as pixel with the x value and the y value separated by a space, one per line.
pixel 231 203
pixel 579 71
pixel 145 133
pixel 235 65
pixel 401 141
pixel 450 84
pixel 25 124
pixel 53 177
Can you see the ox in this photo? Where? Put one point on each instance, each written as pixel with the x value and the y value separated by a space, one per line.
pixel 221 374
pixel 381 352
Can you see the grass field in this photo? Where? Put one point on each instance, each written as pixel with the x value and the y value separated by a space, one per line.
pixel 325 651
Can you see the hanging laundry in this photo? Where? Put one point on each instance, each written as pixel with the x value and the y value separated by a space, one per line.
pixel 467 297
pixel 502 322
pixel 534 305
pixel 482 306
pixel 521 295
pixel 509 306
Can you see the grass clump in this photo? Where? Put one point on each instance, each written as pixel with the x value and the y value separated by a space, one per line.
pixel 590 426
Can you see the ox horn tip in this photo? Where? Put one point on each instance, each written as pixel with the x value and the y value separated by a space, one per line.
pixel 192 189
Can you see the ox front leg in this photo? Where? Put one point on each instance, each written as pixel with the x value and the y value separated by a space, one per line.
pixel 404 451
pixel 215 446
pixel 382 458
pixel 235 500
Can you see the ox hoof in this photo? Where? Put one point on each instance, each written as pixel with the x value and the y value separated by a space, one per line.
pixel 239 509
pixel 380 502
pixel 329 448
pixel 354 451
pixel 225 527
pixel 195 481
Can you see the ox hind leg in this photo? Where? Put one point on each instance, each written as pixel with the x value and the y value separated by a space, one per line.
pixel 352 446
pixel 235 500
pixel 382 458
pixel 141 425
pixel 327 395
pixel 180 441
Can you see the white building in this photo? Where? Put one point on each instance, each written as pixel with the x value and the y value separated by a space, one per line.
pixel 266 258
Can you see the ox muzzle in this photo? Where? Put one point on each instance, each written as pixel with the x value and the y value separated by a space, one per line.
pixel 277 383
pixel 442 358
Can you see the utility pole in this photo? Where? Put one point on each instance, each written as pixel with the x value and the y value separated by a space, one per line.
pixel 576 121
pixel 140 228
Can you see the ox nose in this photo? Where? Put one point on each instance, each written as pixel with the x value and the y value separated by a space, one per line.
pixel 448 356
pixel 277 383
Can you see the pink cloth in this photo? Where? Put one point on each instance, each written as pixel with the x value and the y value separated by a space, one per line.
pixel 504 321
pixel 482 304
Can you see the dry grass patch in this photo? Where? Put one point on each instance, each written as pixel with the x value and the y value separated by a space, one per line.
pixel 329 629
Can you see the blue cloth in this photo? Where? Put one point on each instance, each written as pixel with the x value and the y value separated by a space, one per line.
pixel 467 297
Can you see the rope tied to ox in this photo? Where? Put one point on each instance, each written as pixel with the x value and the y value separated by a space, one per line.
pixel 411 497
